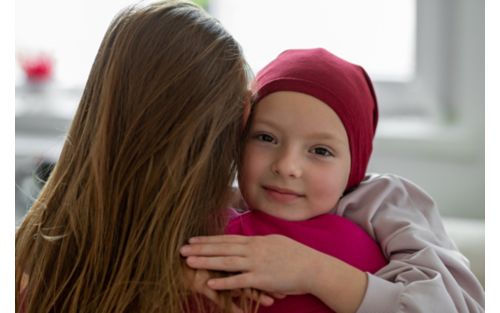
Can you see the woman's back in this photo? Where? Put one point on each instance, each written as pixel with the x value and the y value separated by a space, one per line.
pixel 147 164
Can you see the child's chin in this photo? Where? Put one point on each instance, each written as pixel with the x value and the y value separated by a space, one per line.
pixel 287 216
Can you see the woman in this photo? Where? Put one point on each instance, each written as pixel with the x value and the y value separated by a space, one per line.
pixel 148 162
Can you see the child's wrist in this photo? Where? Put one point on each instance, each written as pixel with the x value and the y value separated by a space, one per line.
pixel 322 271
pixel 337 284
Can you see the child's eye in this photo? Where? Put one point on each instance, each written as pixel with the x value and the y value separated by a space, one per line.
pixel 264 137
pixel 322 151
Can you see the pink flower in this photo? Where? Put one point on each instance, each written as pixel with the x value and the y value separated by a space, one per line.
pixel 37 68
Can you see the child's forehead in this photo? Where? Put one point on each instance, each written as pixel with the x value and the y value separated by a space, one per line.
pixel 298 113
pixel 295 100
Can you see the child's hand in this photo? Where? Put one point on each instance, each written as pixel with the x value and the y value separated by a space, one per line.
pixel 273 263
pixel 196 281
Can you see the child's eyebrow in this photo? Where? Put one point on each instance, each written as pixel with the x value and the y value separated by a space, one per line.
pixel 265 121
pixel 326 136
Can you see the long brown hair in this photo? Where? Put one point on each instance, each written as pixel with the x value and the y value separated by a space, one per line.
pixel 148 162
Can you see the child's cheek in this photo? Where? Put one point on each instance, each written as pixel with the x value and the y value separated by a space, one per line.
pixel 326 192
pixel 251 169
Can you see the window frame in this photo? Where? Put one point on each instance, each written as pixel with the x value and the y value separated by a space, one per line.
pixel 448 89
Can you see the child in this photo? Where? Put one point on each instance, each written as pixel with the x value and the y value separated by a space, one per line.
pixel 307 150
pixel 148 163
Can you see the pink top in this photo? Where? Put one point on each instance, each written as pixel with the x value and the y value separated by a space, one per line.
pixel 328 233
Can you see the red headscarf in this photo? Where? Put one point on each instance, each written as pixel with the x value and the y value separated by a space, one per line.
pixel 343 86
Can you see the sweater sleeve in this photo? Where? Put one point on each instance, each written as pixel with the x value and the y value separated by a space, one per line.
pixel 426 272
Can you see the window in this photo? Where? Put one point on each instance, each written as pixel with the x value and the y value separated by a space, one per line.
pixel 410 48
pixel 401 43
pixel 68 31
pixel 380 35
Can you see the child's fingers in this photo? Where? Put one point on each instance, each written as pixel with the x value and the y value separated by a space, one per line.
pixel 219 239
pixel 195 280
pixel 255 295
pixel 237 281
pixel 225 263
pixel 259 296
pixel 210 294
pixel 235 309
pixel 214 297
pixel 265 300
pixel 211 249
pixel 276 295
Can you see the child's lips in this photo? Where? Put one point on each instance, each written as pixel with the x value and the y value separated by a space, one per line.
pixel 282 194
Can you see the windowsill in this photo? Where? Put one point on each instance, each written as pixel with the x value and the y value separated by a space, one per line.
pixel 428 139
pixel 49 111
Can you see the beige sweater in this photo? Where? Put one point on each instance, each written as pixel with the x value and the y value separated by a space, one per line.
pixel 426 272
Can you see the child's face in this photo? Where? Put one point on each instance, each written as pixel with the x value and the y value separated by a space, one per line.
pixel 296 161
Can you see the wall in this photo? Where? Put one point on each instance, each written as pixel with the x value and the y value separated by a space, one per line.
pixel 445 156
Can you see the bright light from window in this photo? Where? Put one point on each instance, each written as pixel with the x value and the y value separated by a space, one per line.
pixel 379 35
pixel 69 31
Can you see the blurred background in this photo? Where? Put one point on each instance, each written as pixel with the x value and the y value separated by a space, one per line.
pixel 426 58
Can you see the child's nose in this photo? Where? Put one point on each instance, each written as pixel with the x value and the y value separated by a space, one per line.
pixel 287 164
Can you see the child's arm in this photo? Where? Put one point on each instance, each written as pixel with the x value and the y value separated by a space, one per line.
pixel 426 272
pixel 278 264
